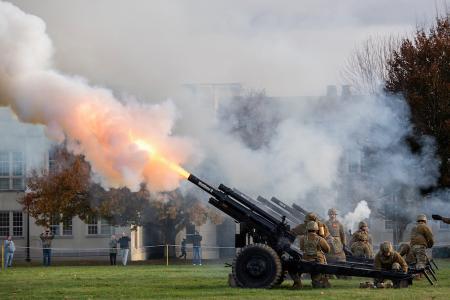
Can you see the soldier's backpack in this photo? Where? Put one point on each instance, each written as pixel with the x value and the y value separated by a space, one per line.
pixel 311 246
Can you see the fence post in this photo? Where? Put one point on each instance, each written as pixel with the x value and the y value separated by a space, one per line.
pixel 167 254
pixel 3 255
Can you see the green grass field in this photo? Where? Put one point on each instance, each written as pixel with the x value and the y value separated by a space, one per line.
pixel 185 282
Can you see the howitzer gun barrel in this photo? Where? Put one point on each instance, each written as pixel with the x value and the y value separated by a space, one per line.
pixel 294 212
pixel 240 207
pixel 280 211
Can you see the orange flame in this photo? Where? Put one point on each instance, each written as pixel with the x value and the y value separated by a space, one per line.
pixel 143 145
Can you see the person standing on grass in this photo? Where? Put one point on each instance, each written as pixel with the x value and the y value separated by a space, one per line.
pixel 124 243
pixel 183 249
pixel 113 250
pixel 197 249
pixel 46 238
pixel 10 248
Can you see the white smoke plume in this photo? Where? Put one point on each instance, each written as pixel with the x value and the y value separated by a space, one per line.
pixel 361 212
pixel 94 122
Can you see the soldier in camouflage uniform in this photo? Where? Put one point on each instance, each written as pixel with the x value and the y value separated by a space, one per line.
pixel 361 243
pixel 387 259
pixel 405 251
pixel 421 239
pixel 337 237
pixel 314 248
pixel 301 230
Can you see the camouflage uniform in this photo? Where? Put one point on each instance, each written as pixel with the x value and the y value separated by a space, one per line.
pixel 301 228
pixel 336 241
pixel 387 259
pixel 314 247
pixel 421 239
pixel 406 252
pixel 361 243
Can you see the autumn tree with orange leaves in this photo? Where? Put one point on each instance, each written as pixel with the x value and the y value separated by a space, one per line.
pixel 66 190
pixel 420 71
pixel 172 212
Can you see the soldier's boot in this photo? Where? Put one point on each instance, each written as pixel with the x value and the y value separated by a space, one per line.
pixel 366 285
pixel 325 283
pixel 317 284
pixel 297 284
pixel 231 281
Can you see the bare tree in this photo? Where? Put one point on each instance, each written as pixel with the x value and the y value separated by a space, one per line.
pixel 366 68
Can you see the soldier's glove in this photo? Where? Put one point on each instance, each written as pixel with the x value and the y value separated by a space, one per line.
pixel 436 217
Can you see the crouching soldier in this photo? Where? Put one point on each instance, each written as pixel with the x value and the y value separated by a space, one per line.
pixel 388 260
pixel 421 239
pixel 361 243
pixel 405 251
pixel 314 246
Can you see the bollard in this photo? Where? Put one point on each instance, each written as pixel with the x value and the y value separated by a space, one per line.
pixel 167 254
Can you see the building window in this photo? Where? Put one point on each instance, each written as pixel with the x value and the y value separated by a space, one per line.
pixel 92 224
pixel 97 225
pixel 52 160
pixel 67 227
pixel 60 227
pixel 54 225
pixel 12 170
pixel 105 227
pixel 11 223
pixel 444 226
pixel 354 161
pixel 4 223
pixel 388 224
pixel 17 225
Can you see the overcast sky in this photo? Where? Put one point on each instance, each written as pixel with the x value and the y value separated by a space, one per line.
pixel 149 48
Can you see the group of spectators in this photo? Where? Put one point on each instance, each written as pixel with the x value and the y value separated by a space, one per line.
pixel 123 243
pixel 196 249
pixel 116 246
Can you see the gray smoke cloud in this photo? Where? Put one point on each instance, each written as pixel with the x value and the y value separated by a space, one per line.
pixel 150 48
pixel 315 143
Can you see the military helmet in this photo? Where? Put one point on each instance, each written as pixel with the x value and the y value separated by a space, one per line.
pixel 312 226
pixel 362 224
pixel 421 217
pixel 361 237
pixel 386 247
pixel 332 211
pixel 311 217
pixel 404 247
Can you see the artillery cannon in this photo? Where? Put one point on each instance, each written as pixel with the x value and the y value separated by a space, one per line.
pixel 264 261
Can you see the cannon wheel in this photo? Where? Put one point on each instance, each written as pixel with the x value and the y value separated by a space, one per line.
pixel 257 266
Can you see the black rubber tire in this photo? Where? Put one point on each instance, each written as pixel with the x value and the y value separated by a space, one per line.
pixel 257 266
